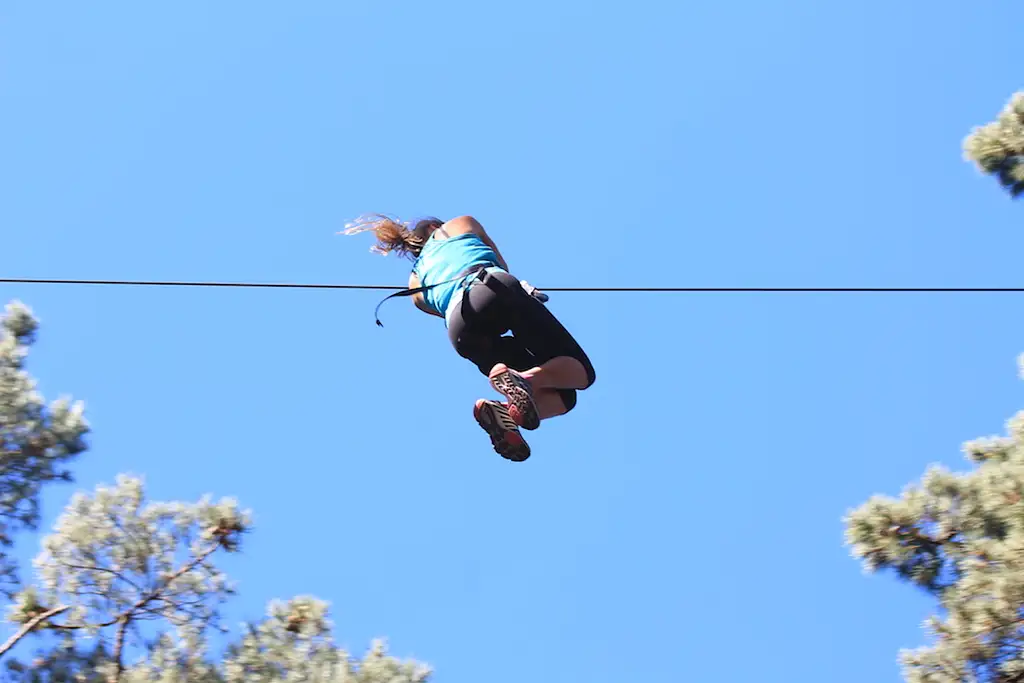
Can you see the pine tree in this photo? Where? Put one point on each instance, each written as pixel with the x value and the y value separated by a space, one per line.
pixel 997 148
pixel 960 538
pixel 36 441
pixel 126 590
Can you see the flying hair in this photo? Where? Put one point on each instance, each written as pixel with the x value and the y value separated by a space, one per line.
pixel 392 235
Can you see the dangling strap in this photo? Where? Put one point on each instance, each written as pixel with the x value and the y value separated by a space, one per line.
pixel 475 270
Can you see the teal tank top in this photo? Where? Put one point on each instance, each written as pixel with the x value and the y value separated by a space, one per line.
pixel 444 259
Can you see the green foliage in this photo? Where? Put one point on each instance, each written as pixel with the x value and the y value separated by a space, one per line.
pixel 36 441
pixel 129 591
pixel 960 538
pixel 114 557
pixel 997 148
pixel 65 661
pixel 295 642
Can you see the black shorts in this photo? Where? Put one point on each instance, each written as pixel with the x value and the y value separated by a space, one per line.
pixel 499 304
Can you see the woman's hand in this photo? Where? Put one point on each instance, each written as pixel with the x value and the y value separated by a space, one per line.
pixel 534 292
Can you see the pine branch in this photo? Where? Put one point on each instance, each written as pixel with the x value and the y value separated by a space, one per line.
pixel 29 625
pixel 146 599
pixel 184 569
pixel 119 649
pixel 113 573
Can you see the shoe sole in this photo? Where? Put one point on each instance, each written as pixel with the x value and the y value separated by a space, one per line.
pixel 509 445
pixel 521 407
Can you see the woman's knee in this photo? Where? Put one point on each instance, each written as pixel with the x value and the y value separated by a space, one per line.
pixel 568 397
pixel 588 368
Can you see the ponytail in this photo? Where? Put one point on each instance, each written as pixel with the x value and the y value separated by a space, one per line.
pixel 392 236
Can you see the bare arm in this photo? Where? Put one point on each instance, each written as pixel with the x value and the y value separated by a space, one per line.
pixel 418 300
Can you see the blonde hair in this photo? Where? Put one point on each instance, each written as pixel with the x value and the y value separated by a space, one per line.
pixel 392 235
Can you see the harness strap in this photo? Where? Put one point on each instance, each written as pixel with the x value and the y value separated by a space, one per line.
pixel 480 272
pixel 475 270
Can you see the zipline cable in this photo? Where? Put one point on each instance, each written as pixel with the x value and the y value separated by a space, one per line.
pixel 292 285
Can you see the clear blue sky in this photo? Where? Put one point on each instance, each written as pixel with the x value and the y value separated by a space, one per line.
pixel 685 522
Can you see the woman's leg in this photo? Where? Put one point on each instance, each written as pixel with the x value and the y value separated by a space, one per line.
pixel 560 366
pixel 475 331
pixel 541 350
pixel 476 328
pixel 562 363
pixel 552 402
pixel 553 384
pixel 561 372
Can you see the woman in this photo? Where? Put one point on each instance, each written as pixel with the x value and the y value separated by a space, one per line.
pixel 460 276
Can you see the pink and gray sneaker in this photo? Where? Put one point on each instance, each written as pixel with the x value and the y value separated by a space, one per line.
pixel 494 418
pixel 519 393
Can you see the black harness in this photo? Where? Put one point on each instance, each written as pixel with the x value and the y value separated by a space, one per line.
pixel 478 271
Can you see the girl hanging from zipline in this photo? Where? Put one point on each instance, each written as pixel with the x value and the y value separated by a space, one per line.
pixel 460 276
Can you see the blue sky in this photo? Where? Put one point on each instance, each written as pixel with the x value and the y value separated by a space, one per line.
pixel 685 522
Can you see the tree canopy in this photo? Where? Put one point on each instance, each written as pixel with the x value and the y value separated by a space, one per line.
pixel 127 590
pixel 997 148
pixel 959 537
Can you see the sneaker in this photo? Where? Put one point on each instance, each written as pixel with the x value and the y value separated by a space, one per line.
pixel 519 393
pixel 508 442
